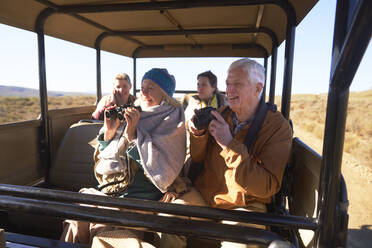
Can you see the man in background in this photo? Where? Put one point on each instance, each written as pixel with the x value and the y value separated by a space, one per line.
pixel 119 96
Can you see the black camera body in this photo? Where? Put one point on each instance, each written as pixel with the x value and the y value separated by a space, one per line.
pixel 119 111
pixel 203 117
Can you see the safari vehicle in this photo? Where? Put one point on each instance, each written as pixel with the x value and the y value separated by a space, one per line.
pixel 37 190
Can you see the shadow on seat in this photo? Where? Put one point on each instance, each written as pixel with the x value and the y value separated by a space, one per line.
pixel 73 165
pixel 71 170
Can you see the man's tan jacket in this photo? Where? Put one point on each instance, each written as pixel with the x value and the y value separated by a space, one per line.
pixel 234 178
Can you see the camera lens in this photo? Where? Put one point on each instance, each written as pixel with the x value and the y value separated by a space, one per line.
pixel 199 123
pixel 118 112
pixel 203 117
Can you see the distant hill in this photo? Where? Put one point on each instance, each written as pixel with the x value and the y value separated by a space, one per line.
pixel 29 92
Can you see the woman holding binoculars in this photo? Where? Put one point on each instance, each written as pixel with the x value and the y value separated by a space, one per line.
pixel 140 157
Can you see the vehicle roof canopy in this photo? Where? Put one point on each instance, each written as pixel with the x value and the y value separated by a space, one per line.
pixel 178 28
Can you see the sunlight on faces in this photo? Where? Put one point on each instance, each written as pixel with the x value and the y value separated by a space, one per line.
pixel 205 90
pixel 122 86
pixel 151 93
pixel 241 94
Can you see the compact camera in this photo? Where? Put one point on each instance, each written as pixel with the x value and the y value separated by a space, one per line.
pixel 203 117
pixel 119 111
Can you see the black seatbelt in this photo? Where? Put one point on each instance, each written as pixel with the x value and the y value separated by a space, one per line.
pixel 255 127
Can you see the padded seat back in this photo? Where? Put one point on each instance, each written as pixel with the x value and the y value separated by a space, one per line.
pixel 73 166
pixel 185 99
pixel 306 176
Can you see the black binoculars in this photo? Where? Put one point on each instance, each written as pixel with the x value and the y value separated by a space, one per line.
pixel 119 111
pixel 203 117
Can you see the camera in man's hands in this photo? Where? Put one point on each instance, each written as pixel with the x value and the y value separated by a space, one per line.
pixel 203 117
pixel 119 111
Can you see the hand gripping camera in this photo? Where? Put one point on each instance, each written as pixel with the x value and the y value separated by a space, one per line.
pixel 119 111
pixel 203 117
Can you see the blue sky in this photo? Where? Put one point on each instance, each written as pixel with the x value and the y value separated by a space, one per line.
pixel 71 67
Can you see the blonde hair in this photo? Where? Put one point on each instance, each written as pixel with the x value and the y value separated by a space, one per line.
pixel 170 100
pixel 123 76
pixel 166 99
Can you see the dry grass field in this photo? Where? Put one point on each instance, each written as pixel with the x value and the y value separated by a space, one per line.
pixel 308 114
pixel 14 109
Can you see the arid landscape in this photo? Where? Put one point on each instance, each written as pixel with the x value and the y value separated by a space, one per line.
pixel 308 116
pixel 14 109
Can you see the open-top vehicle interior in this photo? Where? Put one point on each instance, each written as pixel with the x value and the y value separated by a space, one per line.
pixel 46 161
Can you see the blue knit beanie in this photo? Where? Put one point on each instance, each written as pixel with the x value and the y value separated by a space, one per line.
pixel 162 78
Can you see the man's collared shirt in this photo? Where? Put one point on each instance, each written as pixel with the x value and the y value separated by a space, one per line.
pixel 238 126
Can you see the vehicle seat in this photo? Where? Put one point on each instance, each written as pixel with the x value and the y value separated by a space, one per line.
pixel 73 166
pixel 186 98
pixel 71 170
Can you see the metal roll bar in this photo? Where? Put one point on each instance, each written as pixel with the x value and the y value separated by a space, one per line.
pixel 160 207
pixel 140 221
pixel 353 32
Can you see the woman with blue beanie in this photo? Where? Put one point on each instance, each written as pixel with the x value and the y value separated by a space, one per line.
pixel 140 157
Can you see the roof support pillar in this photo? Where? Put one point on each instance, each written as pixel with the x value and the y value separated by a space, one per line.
pixel 352 34
pixel 44 145
pixel 288 69
pixel 134 76
pixel 44 128
pixel 97 46
pixel 264 88
pixel 98 71
pixel 274 52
